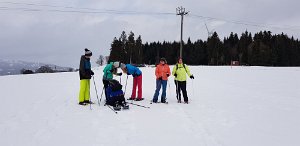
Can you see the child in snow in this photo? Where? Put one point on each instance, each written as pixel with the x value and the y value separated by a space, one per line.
pixel 179 71
pixel 115 95
pixel 85 74
pixel 108 72
pixel 137 80
pixel 162 73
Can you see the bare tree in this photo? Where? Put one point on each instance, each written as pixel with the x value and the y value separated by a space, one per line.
pixel 100 60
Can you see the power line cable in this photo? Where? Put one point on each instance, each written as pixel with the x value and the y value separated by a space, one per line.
pixel 68 9
pixel 248 23
pixel 108 11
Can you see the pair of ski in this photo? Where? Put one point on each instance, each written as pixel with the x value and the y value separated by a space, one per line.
pixel 115 109
pixel 118 109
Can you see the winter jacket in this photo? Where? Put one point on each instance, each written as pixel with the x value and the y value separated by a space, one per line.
pixel 108 71
pixel 162 70
pixel 85 71
pixel 132 70
pixel 181 70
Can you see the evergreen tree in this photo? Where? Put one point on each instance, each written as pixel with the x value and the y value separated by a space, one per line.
pixel 139 49
pixel 243 45
pixel 263 49
pixel 116 51
pixel 214 48
pixel 131 49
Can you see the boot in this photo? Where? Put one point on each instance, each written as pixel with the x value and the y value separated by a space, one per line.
pixel 82 103
pixel 139 99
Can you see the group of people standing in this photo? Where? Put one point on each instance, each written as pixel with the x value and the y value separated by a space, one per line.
pixel 162 73
pixel 128 69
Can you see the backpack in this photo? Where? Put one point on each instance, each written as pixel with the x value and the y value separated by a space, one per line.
pixel 177 67
pixel 115 85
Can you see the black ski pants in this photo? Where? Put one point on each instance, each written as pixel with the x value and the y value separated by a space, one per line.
pixel 105 83
pixel 181 86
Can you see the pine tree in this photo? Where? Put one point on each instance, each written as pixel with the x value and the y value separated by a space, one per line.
pixel 263 49
pixel 214 47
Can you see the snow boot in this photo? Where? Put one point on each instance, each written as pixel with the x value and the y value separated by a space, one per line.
pixel 166 102
pixel 88 102
pixel 125 107
pixel 131 98
pixel 82 103
pixel 139 99
pixel 117 108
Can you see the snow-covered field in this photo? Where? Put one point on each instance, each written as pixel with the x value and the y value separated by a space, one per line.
pixel 239 106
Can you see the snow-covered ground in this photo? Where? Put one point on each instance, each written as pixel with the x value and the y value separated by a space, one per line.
pixel 238 106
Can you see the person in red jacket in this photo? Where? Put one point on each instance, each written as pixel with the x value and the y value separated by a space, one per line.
pixel 162 72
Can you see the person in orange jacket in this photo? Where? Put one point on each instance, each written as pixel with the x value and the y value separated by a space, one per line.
pixel 162 72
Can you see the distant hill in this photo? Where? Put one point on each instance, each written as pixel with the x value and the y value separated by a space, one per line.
pixel 12 67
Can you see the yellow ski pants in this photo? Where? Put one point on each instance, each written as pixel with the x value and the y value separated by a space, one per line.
pixel 84 93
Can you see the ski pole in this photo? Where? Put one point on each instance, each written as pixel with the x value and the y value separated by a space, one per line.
pixel 101 95
pixel 138 105
pixel 126 85
pixel 90 100
pixel 169 88
pixel 176 82
pixel 96 91
pixel 193 87
pixel 111 109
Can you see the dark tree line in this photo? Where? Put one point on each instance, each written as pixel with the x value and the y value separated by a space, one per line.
pixel 44 69
pixel 262 49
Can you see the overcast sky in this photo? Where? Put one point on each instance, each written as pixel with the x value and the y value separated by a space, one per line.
pixel 50 32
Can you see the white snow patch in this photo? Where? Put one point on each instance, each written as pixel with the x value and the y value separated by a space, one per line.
pixel 238 106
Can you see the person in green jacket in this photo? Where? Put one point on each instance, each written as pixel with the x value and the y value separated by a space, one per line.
pixel 108 72
pixel 179 71
pixel 85 74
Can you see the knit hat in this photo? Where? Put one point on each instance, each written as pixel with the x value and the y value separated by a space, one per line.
pixel 116 64
pixel 123 65
pixel 88 52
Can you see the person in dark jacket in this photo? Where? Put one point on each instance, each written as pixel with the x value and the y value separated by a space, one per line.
pixel 85 74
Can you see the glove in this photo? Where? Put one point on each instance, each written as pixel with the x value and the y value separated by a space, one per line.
pixel 119 74
pixel 192 77
pixel 175 75
pixel 92 73
pixel 160 78
pixel 168 75
pixel 113 70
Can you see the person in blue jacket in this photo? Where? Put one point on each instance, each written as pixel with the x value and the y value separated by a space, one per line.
pixel 137 80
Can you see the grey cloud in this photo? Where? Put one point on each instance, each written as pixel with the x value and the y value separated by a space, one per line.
pixel 60 37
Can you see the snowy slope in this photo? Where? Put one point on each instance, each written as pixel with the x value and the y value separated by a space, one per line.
pixel 239 106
